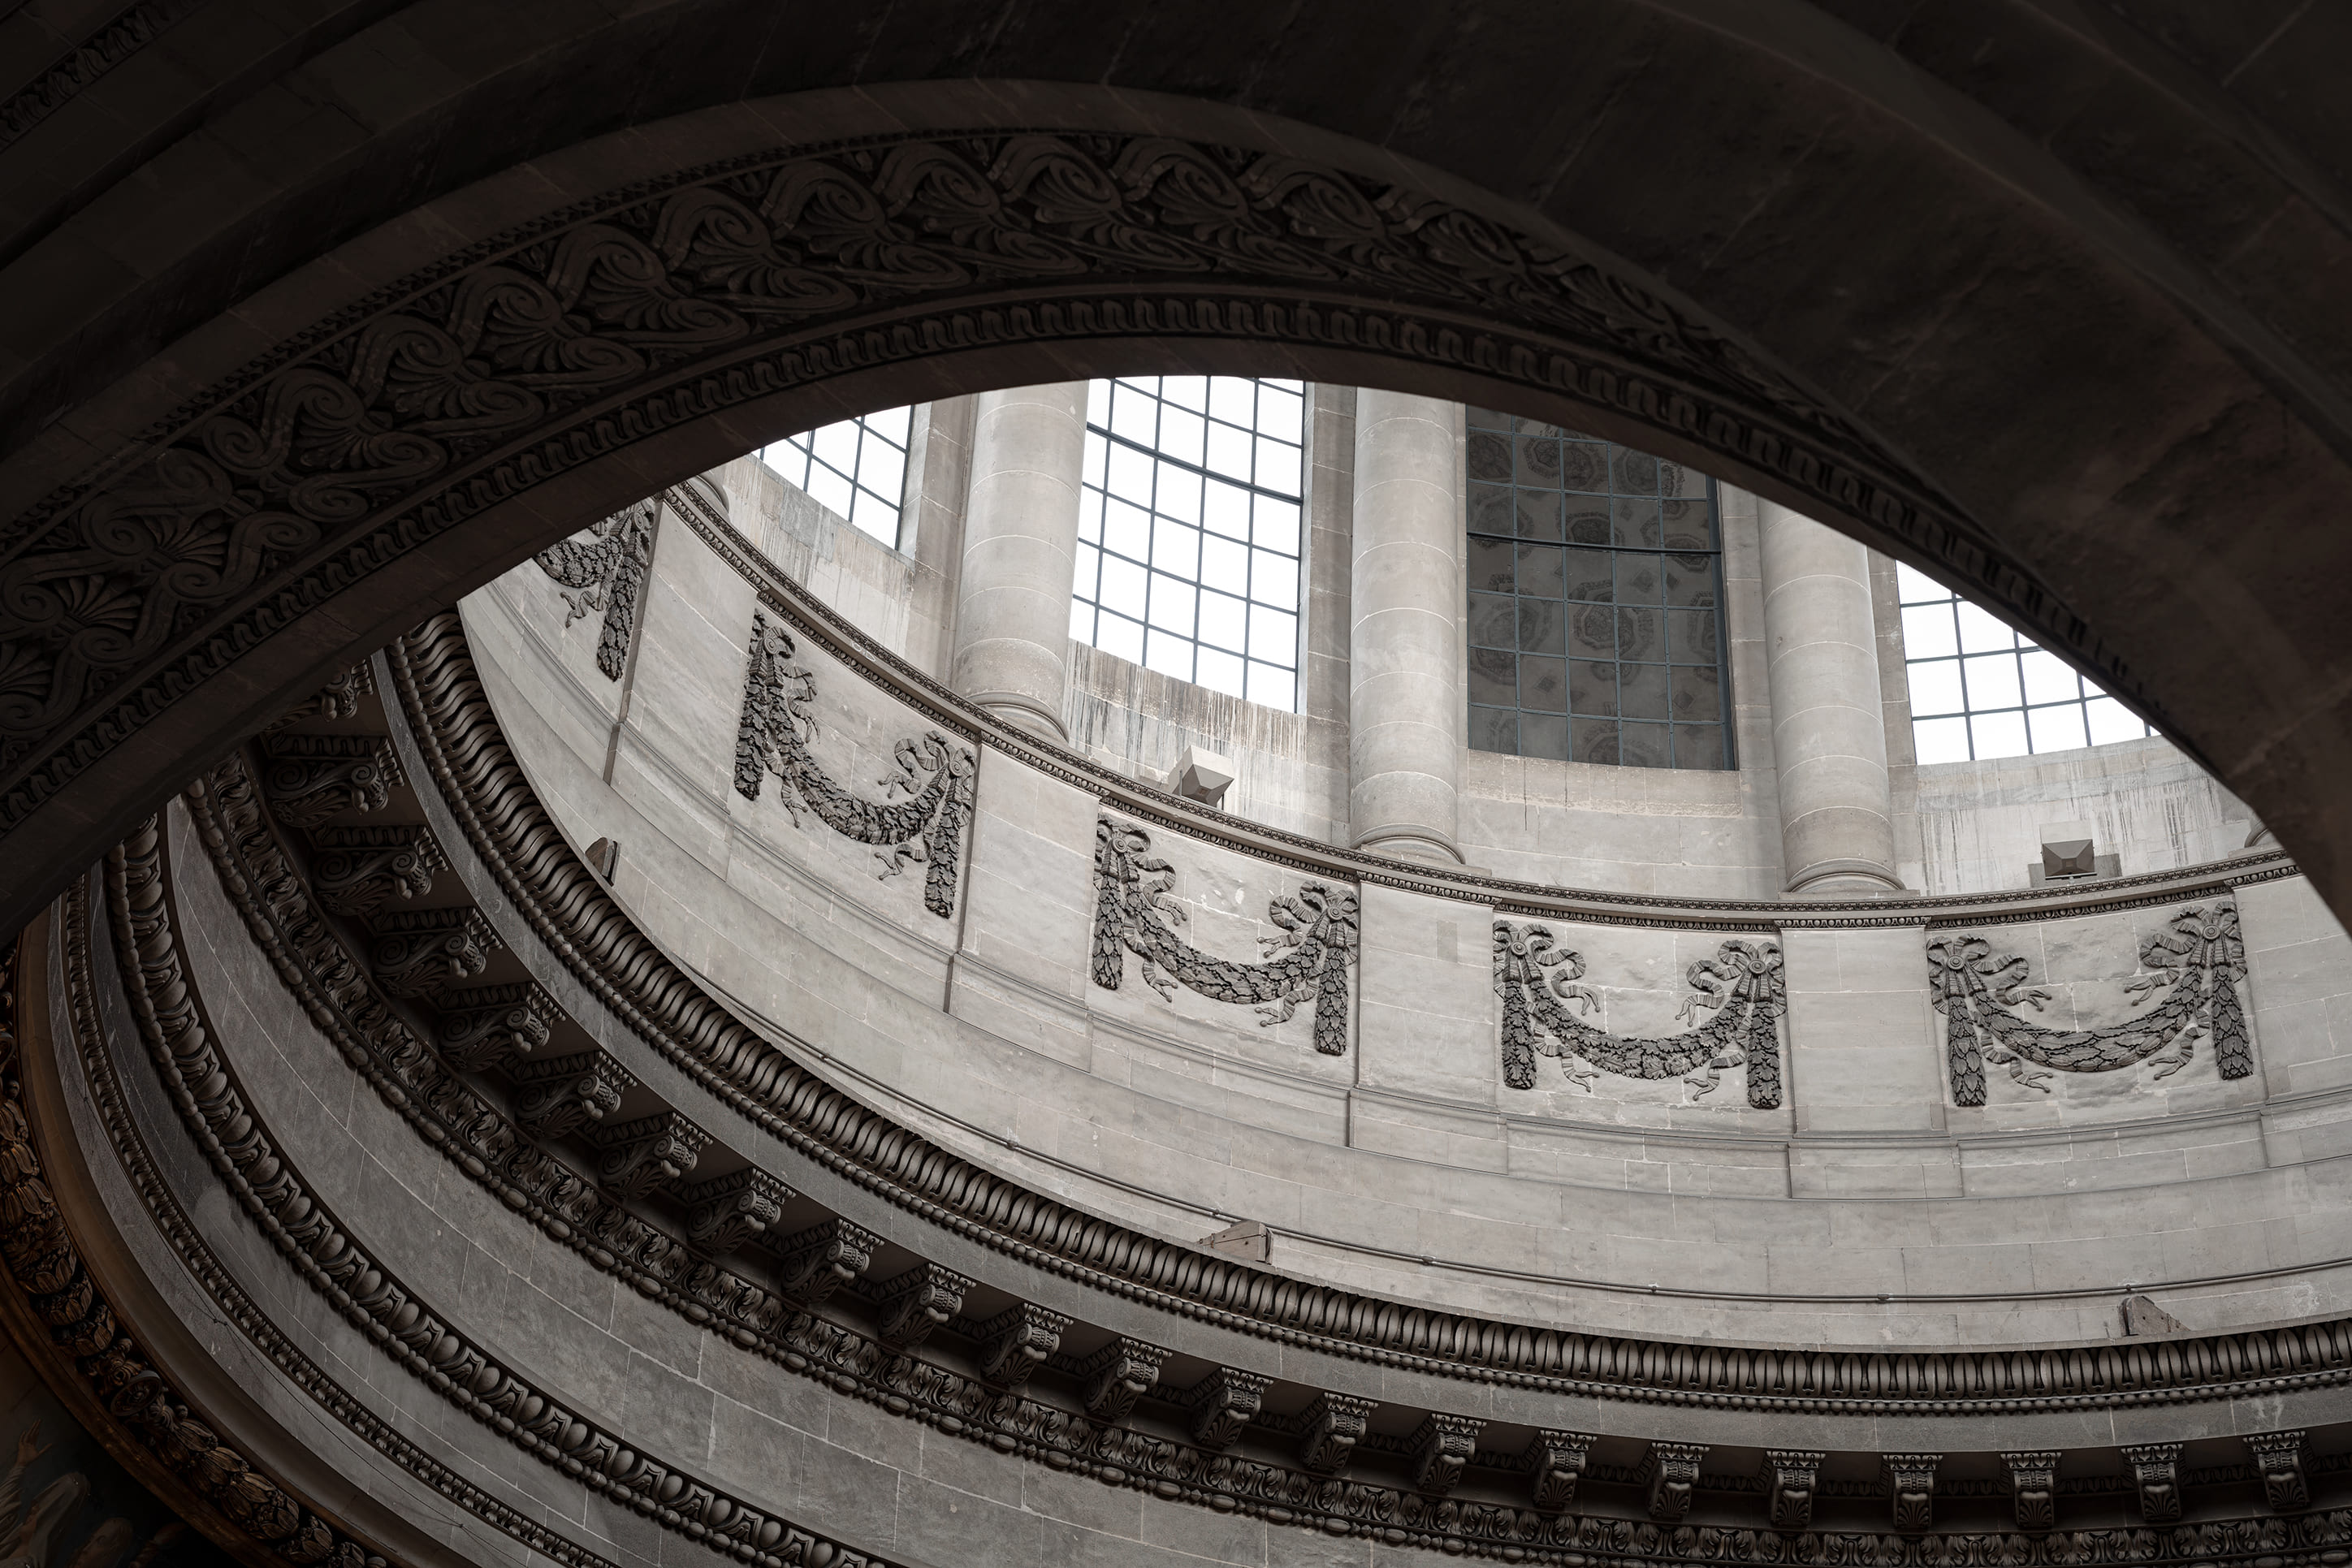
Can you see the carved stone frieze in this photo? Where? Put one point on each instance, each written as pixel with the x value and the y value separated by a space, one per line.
pixel 310 777
pixel 487 1026
pixel 57 1296
pixel 1329 1429
pixel 1669 1476
pixel 2156 1477
pixel 2034 1485
pixel 635 1157
pixel 605 570
pixel 924 1298
pixel 934 774
pixel 557 1097
pixel 457 733
pixel 1558 1460
pixel 338 699
pixel 1910 1481
pixel 833 1354
pixel 1740 986
pixel 2278 1457
pixel 271 1190
pixel 357 871
pixel 1119 1374
pixel 726 1214
pixel 1016 1343
pixel 1441 1447
pixel 1222 1405
pixel 423 951
pixel 2194 965
pixel 545 348
pixel 1791 1478
pixel 1307 962
pixel 821 1260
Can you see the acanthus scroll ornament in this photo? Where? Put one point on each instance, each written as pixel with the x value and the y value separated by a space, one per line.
pixel 1307 961
pixel 934 774
pixel 606 571
pixel 1741 985
pixel 2194 964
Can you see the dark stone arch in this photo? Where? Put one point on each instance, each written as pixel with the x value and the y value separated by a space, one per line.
pixel 1949 413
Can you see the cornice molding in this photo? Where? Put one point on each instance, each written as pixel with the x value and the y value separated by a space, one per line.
pixel 540 874
pixel 819 622
pixel 67 1326
pixel 646 309
pixel 208 1094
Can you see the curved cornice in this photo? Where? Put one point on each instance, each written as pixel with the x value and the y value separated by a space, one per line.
pixel 498 374
pixel 69 1330
pixel 569 910
pixel 869 661
pixel 337 1265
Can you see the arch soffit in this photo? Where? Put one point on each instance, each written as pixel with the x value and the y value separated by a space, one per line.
pixel 613 320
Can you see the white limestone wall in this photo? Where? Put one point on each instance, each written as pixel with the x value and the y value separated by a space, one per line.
pixel 1406 1167
pixel 2148 805
pixel 1290 768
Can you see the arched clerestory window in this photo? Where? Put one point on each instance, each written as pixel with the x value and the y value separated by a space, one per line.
pixel 855 468
pixel 1189 529
pixel 1596 600
pixel 1980 691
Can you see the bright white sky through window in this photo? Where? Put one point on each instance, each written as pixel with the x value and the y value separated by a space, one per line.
pixel 1980 691
pixel 1189 530
pixel 856 468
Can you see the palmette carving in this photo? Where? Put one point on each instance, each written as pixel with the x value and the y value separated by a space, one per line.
pixel 726 1214
pixel 606 571
pixel 934 774
pixel 2278 1460
pixel 1441 1447
pixel 1741 986
pixel 2194 965
pixel 1119 1374
pixel 313 776
pixel 486 1027
pixel 1670 1472
pixel 418 953
pixel 560 1095
pixel 1307 962
pixel 1016 1343
pixel 653 1151
pixel 1329 1429
pixel 1558 1460
pixel 2033 1485
pixel 821 1260
pixel 2156 1477
pixel 923 1299
pixel 1790 1476
pixel 1910 1482
pixel 357 871
pixel 1224 1404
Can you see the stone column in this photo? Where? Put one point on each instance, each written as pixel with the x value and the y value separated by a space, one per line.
pixel 1828 737
pixel 1020 551
pixel 1404 647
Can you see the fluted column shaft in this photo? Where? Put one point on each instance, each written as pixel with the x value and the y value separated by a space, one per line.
pixel 1829 736
pixel 1404 676
pixel 1020 551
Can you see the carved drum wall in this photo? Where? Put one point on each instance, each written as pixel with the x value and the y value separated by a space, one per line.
pixel 1866 1195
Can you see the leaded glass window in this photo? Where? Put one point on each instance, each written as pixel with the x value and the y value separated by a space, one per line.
pixel 854 467
pixel 1979 691
pixel 1596 600
pixel 1189 530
